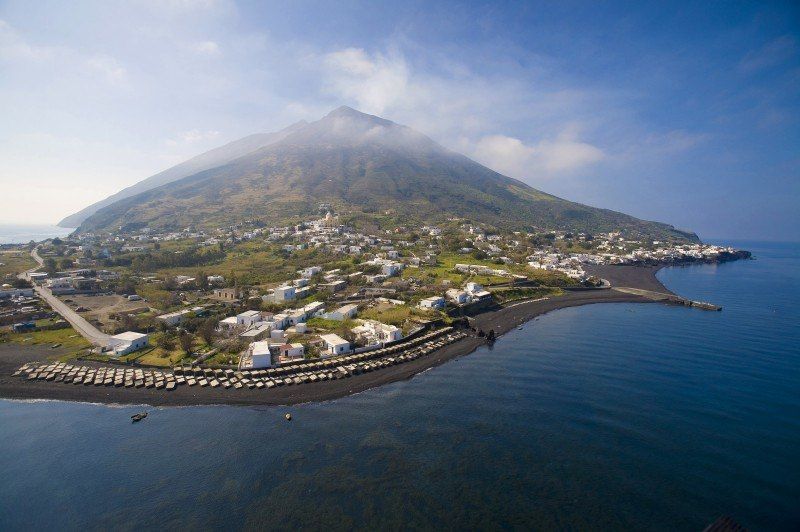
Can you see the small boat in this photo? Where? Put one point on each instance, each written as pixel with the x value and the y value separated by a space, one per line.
pixel 288 417
pixel 519 328
pixel 138 417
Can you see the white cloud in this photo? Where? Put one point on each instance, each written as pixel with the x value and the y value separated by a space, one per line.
pixel 546 158
pixel 374 82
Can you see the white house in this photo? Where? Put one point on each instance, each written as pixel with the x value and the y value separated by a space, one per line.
pixel 216 279
pixel 373 332
pixel 334 344
pixel 476 292
pixel 16 292
pixel 258 355
pixel 173 318
pixel 313 307
pixel 459 297
pixel 296 316
pixel 473 287
pixel 248 318
pixel 281 320
pixel 433 302
pixel 310 271
pixel 61 285
pixel 295 350
pixel 284 293
pixel 391 269
pixel 128 342
pixel 343 313
pixel 228 323
pixel 259 331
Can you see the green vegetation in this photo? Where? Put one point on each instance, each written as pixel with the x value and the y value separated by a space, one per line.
pixel 399 173
pixel 507 295
pixel 14 262
pixel 72 344
pixel 402 316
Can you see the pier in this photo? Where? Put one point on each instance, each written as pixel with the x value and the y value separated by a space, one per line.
pixel 668 298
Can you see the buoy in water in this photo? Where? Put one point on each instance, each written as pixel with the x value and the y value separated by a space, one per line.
pixel 288 417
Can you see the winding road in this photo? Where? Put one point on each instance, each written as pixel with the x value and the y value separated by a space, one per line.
pixel 84 328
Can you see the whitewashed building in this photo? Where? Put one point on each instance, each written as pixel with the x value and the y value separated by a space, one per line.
pixel 334 344
pixel 128 342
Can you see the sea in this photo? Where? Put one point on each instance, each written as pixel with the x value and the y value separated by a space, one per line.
pixel 22 234
pixel 603 417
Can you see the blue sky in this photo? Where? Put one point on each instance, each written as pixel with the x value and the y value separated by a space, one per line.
pixel 686 113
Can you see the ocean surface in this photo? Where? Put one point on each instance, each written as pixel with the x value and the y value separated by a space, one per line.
pixel 622 416
pixel 22 234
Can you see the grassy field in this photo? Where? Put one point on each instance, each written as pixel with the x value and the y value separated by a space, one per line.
pixel 14 262
pixel 399 315
pixel 72 344
pixel 258 263
pixel 444 271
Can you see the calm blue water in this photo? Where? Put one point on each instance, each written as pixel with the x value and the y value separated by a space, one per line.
pixel 601 417
pixel 22 234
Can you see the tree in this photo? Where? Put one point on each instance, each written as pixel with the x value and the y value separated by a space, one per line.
pixel 202 280
pixel 129 322
pixel 166 342
pixel 207 330
pixel 66 264
pixel 186 340
pixel 20 283
pixel 127 285
pixel 50 265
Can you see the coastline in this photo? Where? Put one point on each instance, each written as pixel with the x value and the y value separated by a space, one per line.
pixel 501 320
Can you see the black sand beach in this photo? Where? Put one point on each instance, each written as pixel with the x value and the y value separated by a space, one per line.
pixel 12 356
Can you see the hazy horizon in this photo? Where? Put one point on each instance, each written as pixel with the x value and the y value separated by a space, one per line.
pixel 671 114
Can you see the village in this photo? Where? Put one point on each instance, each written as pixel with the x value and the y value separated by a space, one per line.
pixel 229 299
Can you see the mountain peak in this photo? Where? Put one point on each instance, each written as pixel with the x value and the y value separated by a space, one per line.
pixel 349 114
pixel 345 110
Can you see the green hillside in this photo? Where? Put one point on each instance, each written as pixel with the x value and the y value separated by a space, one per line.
pixel 359 163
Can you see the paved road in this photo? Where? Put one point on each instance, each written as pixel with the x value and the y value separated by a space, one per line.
pixel 26 275
pixel 86 329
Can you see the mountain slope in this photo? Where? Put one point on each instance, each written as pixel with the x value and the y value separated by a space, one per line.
pixel 204 161
pixel 362 163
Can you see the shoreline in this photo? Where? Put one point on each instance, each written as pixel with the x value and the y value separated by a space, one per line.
pixel 502 320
